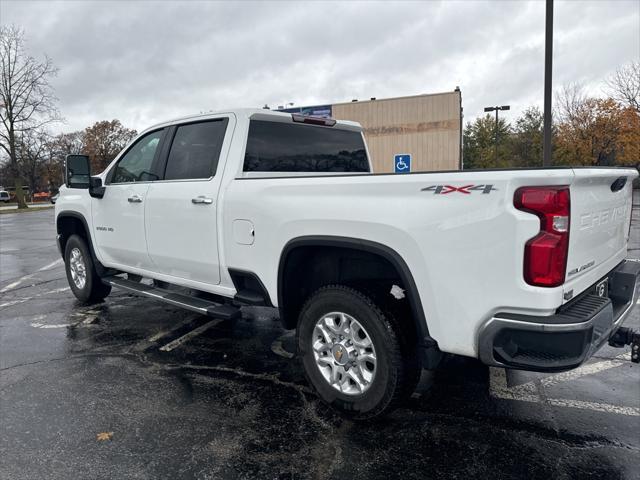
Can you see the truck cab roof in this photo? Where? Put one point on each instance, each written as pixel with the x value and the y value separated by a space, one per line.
pixel 250 113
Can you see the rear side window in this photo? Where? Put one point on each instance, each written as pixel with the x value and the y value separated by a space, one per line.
pixel 195 150
pixel 287 147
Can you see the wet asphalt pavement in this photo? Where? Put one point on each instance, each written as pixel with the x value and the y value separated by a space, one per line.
pixel 102 392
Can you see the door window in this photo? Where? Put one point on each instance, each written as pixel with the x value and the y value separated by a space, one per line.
pixel 136 164
pixel 195 150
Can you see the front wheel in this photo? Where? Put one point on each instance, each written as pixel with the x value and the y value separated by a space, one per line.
pixel 358 358
pixel 83 279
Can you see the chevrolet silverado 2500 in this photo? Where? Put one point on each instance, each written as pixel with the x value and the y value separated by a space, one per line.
pixel 380 274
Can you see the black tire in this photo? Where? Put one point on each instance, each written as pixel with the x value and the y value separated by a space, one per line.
pixel 93 289
pixel 397 370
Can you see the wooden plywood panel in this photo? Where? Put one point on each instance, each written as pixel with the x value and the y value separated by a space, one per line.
pixel 426 126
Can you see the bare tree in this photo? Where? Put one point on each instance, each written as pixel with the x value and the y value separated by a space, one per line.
pixel 67 144
pixel 570 101
pixel 32 151
pixel 624 85
pixel 26 97
pixel 58 148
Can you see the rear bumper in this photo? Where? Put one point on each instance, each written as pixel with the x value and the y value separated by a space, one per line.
pixel 569 337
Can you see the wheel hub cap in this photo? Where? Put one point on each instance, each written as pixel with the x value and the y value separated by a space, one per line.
pixel 77 268
pixel 344 353
pixel 340 355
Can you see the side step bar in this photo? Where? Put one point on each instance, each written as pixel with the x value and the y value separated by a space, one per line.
pixel 199 305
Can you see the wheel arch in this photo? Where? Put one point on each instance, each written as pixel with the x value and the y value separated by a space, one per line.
pixel 69 223
pixel 289 304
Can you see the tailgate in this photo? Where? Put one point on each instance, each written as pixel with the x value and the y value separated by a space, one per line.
pixel 600 216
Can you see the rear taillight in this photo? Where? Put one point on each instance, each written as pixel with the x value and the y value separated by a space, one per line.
pixel 545 255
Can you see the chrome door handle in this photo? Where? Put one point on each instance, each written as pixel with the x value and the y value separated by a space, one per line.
pixel 134 199
pixel 202 200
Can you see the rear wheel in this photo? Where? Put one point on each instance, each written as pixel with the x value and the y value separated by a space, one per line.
pixel 83 279
pixel 357 357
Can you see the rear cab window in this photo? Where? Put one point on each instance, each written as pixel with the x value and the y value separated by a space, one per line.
pixel 281 147
pixel 195 150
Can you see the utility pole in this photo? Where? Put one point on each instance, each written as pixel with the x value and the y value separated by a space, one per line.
pixel 497 108
pixel 548 69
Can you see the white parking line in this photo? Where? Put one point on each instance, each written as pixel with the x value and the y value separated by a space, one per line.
pixel 13 302
pixel 188 336
pixel 87 319
pixel 13 285
pixel 588 369
pixel 26 299
pixel 278 348
pixel 598 407
pixel 178 326
pixel 51 265
pixel 498 387
pixel 45 325
pixel 531 392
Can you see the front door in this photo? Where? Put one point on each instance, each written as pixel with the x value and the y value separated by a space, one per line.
pixel 181 208
pixel 118 217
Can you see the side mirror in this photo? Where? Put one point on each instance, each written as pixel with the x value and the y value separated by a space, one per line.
pixel 96 190
pixel 77 171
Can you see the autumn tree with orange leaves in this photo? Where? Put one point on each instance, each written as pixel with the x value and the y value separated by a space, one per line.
pixel 587 131
pixel 104 140
pixel 595 131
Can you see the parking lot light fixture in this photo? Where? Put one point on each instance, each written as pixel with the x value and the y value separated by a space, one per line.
pixel 496 109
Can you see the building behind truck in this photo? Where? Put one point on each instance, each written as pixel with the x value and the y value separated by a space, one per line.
pixel 427 127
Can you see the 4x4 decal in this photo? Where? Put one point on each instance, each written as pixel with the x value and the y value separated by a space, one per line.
pixel 466 189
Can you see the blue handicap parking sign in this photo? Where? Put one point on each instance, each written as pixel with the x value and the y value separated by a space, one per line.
pixel 402 163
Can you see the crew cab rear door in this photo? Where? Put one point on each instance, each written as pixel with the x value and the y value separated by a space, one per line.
pixel 181 208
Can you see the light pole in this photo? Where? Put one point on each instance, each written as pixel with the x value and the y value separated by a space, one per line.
pixel 497 108
pixel 548 69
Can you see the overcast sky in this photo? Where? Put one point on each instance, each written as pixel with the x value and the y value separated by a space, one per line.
pixel 143 62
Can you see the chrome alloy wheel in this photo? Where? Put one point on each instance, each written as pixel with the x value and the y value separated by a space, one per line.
pixel 344 353
pixel 78 268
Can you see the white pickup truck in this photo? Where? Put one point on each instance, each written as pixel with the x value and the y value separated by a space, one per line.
pixel 380 274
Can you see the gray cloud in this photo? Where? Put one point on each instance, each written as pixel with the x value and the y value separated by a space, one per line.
pixel 144 62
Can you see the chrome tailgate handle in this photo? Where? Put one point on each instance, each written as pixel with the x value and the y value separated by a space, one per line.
pixel 202 200
pixel 134 199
